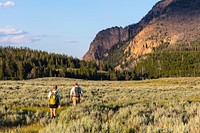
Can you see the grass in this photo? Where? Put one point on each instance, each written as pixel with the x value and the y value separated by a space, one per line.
pixel 161 105
pixel 33 128
pixel 34 109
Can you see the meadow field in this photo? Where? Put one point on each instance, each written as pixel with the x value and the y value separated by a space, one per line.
pixel 168 105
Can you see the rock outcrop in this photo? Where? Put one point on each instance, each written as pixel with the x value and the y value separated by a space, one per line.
pixel 168 23
pixel 103 41
pixel 175 21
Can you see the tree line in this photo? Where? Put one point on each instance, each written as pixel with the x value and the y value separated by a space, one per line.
pixel 181 60
pixel 24 63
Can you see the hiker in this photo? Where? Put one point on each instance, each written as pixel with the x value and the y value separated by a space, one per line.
pixel 54 101
pixel 75 94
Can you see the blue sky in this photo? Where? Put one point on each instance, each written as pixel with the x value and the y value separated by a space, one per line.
pixel 64 26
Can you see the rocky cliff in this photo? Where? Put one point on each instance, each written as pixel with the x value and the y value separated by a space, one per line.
pixel 168 23
pixel 104 40
pixel 175 21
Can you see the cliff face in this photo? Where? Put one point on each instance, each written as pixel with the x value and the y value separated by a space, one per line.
pixel 177 22
pixel 168 23
pixel 103 41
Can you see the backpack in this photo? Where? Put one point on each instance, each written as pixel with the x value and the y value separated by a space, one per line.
pixel 77 91
pixel 53 98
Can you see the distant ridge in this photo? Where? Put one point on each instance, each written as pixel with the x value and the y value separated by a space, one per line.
pixel 168 23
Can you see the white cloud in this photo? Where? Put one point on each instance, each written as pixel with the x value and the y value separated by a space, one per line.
pixel 10 35
pixel 10 31
pixel 7 4
pixel 19 39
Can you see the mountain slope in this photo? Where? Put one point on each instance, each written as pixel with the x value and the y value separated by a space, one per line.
pixel 169 22
pixel 178 22
pixel 106 39
pixel 103 41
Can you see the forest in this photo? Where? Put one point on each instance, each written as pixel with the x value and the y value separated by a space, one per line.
pixel 24 63
pixel 181 60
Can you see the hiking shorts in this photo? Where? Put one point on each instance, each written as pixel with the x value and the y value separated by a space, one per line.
pixel 53 105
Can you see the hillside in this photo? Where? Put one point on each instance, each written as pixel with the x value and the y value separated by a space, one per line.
pixel 177 23
pixel 169 23
pixel 103 42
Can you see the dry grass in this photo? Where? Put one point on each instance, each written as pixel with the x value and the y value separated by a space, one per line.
pixel 162 105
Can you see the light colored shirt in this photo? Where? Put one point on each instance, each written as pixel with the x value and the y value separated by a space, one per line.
pixel 73 90
pixel 53 91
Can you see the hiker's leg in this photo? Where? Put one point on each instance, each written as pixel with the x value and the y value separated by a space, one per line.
pixel 54 112
pixel 51 112
pixel 74 101
pixel 78 99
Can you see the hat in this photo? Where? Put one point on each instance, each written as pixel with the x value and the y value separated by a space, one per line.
pixel 75 83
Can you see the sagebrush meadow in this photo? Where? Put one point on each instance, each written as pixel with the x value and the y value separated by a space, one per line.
pixel 161 105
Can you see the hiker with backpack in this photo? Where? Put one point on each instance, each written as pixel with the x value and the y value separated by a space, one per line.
pixel 75 94
pixel 54 101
